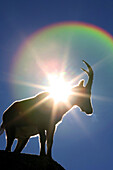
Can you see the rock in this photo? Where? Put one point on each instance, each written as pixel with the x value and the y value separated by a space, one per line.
pixel 20 161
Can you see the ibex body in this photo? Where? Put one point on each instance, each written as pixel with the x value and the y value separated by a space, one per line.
pixel 36 115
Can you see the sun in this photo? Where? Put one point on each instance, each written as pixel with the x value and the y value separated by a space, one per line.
pixel 59 88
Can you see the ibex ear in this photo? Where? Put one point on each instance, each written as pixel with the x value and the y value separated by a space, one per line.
pixel 81 83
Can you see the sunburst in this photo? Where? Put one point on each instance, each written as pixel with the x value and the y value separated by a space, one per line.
pixel 59 88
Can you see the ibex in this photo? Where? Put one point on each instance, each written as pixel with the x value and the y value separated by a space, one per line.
pixel 36 115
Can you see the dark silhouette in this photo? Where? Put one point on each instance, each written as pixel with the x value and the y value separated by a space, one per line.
pixel 36 115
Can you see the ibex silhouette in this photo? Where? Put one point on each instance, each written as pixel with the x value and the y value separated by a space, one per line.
pixel 35 115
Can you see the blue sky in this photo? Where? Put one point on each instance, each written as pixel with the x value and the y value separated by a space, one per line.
pixel 86 143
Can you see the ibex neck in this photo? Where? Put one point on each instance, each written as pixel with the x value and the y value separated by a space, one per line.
pixel 72 100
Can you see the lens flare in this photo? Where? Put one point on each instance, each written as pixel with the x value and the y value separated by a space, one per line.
pixel 58 48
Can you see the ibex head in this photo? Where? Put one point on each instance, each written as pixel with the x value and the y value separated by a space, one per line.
pixel 84 93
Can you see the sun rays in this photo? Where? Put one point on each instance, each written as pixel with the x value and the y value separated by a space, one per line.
pixel 58 48
pixel 60 89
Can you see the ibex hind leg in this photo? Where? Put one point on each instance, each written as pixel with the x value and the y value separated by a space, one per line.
pixel 50 134
pixel 10 136
pixel 21 144
pixel 42 143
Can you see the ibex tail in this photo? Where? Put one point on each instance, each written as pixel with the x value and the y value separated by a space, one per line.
pixel 1 129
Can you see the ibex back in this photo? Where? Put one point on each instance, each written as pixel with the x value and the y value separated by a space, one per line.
pixel 35 115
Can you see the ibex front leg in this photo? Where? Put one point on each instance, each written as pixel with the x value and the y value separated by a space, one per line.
pixel 50 134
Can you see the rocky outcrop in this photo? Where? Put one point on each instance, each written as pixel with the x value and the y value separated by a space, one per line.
pixel 21 161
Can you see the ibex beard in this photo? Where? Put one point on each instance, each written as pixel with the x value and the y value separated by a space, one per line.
pixel 37 115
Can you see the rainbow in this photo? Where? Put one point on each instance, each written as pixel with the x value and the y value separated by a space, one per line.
pixel 78 25
pixel 57 46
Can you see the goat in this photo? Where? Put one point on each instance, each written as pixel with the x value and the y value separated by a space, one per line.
pixel 36 115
